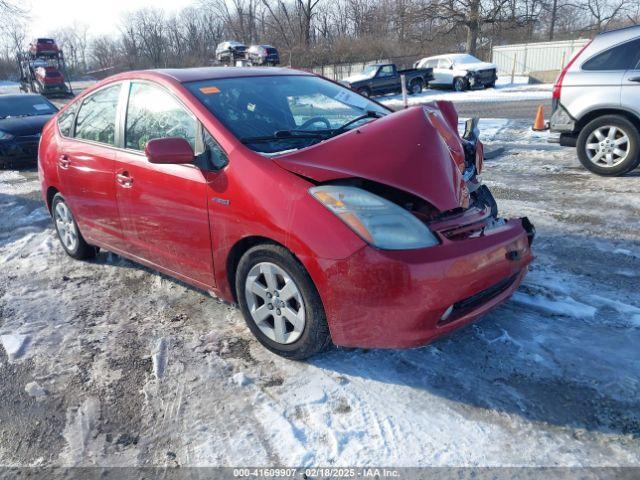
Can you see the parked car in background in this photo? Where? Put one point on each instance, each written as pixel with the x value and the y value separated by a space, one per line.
pixel 460 71
pixel 49 80
pixel 22 118
pixel 383 78
pixel 596 103
pixel 228 52
pixel 263 55
pixel 43 47
pixel 324 215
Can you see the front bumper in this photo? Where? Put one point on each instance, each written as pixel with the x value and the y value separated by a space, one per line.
pixel 401 299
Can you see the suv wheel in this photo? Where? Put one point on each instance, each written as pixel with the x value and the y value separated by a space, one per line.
pixel 365 92
pixel 280 303
pixel 609 145
pixel 68 232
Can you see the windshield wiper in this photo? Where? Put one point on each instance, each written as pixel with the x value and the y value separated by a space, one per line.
pixel 368 114
pixel 286 135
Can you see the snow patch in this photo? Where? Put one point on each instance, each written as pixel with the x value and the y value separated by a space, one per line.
pixel 14 345
pixel 241 379
pixel 159 358
pixel 34 389
pixel 81 423
pixel 558 306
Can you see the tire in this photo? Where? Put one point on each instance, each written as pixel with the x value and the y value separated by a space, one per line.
pixel 601 143
pixel 460 84
pixel 312 335
pixel 415 87
pixel 65 225
pixel 365 92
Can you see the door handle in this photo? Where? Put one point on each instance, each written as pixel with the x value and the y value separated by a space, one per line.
pixel 63 161
pixel 635 79
pixel 124 179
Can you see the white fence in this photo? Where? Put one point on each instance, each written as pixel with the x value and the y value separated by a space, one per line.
pixel 525 58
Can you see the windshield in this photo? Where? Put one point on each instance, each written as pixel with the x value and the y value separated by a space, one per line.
pixel 369 70
pixel 25 106
pixel 462 59
pixel 272 114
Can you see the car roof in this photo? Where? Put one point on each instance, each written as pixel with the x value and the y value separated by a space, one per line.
pixel 451 55
pixel 184 75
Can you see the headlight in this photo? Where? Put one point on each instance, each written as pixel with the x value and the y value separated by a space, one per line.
pixel 379 222
pixel 5 135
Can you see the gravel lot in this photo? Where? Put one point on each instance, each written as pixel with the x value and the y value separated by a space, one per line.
pixel 107 363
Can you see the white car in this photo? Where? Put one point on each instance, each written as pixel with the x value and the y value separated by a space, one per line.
pixel 459 71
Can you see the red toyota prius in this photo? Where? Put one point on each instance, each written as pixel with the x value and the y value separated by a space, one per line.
pixel 324 215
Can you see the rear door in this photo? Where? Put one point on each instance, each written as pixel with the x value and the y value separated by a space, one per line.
pixel 602 80
pixel 86 166
pixel 163 208
pixel 630 96
pixel 442 73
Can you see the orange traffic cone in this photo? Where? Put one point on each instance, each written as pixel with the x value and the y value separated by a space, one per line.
pixel 539 124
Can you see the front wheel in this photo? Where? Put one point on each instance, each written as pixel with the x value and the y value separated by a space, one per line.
pixel 460 84
pixel 365 92
pixel 609 146
pixel 280 303
pixel 68 232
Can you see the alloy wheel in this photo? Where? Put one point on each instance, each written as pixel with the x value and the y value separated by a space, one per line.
pixel 67 230
pixel 275 302
pixel 608 146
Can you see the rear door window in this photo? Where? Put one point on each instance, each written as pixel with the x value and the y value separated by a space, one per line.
pixel 620 57
pixel 66 118
pixel 96 119
pixel 155 113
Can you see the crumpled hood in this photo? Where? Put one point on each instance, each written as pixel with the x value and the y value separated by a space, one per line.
pixel 417 150
pixel 474 67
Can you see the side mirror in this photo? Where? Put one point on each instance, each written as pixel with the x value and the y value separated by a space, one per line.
pixel 451 67
pixel 169 150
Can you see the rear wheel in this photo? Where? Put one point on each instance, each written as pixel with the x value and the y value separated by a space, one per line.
pixel 68 232
pixel 415 87
pixel 609 146
pixel 280 303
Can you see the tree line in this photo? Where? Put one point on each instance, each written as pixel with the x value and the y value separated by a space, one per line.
pixel 320 32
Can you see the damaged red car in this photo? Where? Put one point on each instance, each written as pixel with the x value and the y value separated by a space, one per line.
pixel 324 215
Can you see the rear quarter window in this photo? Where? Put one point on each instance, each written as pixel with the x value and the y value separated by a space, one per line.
pixel 621 57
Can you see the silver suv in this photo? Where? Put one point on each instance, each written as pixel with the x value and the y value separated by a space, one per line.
pixel 596 103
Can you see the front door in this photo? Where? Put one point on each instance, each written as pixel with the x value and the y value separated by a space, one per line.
pixel 86 166
pixel 163 208
pixel 386 80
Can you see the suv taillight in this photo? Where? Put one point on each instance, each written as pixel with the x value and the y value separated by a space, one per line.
pixel 557 88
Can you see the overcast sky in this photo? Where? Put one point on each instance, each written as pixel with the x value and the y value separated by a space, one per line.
pixel 102 16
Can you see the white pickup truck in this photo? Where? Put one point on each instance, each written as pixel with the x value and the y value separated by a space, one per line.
pixel 459 71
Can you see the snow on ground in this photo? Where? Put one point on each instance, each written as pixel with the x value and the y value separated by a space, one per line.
pixel 108 363
pixel 505 91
